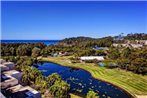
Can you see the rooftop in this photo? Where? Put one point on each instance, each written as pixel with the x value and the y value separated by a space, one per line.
pixel 8 81
pixel 11 72
pixel 24 91
pixel 2 61
pixel 3 67
pixel 8 63
pixel 92 57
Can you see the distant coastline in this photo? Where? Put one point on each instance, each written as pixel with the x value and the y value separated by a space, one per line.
pixel 47 42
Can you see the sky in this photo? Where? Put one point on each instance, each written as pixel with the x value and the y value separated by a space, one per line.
pixel 48 20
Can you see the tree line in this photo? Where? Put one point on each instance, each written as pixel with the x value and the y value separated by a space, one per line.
pixel 134 60
pixel 20 49
pixel 129 59
pixel 136 36
pixel 87 41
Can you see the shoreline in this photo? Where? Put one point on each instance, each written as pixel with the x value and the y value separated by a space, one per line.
pixel 131 95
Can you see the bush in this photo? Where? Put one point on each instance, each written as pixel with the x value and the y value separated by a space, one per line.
pixel 91 94
pixel 59 89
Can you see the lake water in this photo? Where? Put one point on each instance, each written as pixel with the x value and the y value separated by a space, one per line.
pixel 47 42
pixel 81 81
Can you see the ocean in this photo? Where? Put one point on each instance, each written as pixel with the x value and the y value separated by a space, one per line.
pixel 47 42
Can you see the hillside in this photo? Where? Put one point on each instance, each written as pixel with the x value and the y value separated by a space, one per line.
pixel 87 41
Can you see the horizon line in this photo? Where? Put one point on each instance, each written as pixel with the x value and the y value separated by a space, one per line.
pixel 30 39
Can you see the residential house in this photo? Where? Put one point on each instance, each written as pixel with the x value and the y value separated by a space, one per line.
pixel 63 53
pixel 2 61
pixel 128 45
pixel 100 48
pixel 10 65
pixel 3 68
pixel 24 92
pixel 14 73
pixel 7 81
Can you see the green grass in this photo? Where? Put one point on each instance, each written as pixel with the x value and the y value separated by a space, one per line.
pixel 132 83
pixel 74 96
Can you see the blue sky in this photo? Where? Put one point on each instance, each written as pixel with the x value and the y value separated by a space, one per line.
pixel 58 20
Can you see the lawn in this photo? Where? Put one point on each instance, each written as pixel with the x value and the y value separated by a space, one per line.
pixel 74 96
pixel 133 83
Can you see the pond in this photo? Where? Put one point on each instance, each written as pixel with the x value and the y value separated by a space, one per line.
pixel 81 81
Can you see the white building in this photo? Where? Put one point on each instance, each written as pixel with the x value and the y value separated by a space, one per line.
pixel 99 58
pixel 136 45
pixel 8 81
pixel 2 61
pixel 15 88
pixel 31 92
pixel 27 91
pixel 145 42
pixel 3 68
pixel 128 45
pixel 10 65
pixel 14 73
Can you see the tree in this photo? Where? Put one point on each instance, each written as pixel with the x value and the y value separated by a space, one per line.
pixel 6 51
pixel 52 78
pixel 100 52
pixel 91 94
pixel 136 36
pixel 126 52
pixel 123 63
pixel 59 89
pixel 23 50
pixel 26 75
pixel 30 74
pixel 139 65
pixel 35 52
pixel 41 84
pixel 114 53
pixel 12 50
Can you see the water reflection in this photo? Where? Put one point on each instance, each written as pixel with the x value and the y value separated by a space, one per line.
pixel 81 81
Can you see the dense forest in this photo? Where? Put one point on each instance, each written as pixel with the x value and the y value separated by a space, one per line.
pixel 24 55
pixel 101 42
pixel 134 60
pixel 136 36
pixel 127 58
pixel 87 42
pixel 19 49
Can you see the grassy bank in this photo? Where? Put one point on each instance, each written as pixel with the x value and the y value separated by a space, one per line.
pixel 133 83
pixel 74 96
